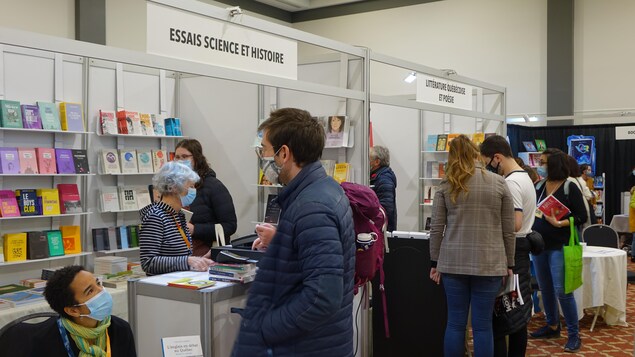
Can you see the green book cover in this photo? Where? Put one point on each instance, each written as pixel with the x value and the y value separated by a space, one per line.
pixel 56 245
pixel 11 288
pixel 50 116
pixel 133 235
pixel 10 114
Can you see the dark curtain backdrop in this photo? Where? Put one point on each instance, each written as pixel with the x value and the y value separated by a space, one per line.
pixel 616 158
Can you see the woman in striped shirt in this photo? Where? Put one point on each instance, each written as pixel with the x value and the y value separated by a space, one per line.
pixel 164 239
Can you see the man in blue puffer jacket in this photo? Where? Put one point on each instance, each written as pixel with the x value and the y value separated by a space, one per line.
pixel 384 182
pixel 301 302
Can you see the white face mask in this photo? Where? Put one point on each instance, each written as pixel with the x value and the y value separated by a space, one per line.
pixel 270 169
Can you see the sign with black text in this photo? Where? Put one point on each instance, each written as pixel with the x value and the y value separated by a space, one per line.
pixel 439 91
pixel 625 133
pixel 182 346
pixel 185 35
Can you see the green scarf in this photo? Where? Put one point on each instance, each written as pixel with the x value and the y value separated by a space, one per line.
pixel 81 335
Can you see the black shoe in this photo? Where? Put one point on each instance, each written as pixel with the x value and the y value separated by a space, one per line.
pixel 546 332
pixel 573 344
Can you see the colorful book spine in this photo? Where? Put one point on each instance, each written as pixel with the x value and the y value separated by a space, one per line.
pixel 31 117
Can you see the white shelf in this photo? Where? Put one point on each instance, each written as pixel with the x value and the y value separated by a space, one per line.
pixel 45 175
pixel 34 261
pixel 115 251
pixel 272 186
pixel 433 152
pixel 121 211
pixel 129 174
pixel 431 178
pixel 48 131
pixel 425 204
pixel 47 216
pixel 142 136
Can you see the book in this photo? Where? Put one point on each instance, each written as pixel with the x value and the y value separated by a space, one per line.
pixel 71 239
pixel 337 127
pixel 142 194
pixel 551 203
pixel 189 283
pixel 272 210
pixel 442 140
pixel 529 146
pixel 534 159
pixel 33 283
pixel 50 201
pixel 451 137
pixel 341 172
pixel 144 161
pixel 157 125
pixel 427 194
pixel 80 159
pixel 70 202
pixel 431 142
pixel 129 122
pixel 146 124
pixel 243 280
pixel 21 298
pixel 188 214
pixel 109 199
pixel 158 159
pixel 122 123
pixel 8 204
pixel 50 116
pixel 110 161
pixel 10 114
pixel 108 122
pixel 37 245
pixel 28 202
pixel 31 116
pixel 598 182
pixel 64 161
pixel 127 198
pixel 128 160
pixel 12 288
pixel 441 169
pixel 71 116
pixel 172 126
pixel 122 237
pixel 478 138
pixel 329 166
pixel 9 161
pixel 100 239
pixel 14 247
pixel 28 161
pixel 428 223
pixel 133 235
pixel 46 160
pixel 112 237
pixel 56 244
pixel 541 145
pixel 233 267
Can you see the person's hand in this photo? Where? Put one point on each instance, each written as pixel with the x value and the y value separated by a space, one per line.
pixel 510 274
pixel 435 275
pixel 199 263
pixel 190 227
pixel 208 255
pixel 265 233
pixel 552 219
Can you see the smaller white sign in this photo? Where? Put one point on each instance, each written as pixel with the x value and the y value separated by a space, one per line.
pixel 625 133
pixel 182 346
pixel 439 91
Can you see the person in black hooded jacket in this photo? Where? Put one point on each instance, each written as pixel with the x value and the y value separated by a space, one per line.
pixel 384 182
pixel 213 203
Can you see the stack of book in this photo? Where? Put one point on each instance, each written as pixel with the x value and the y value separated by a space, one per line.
pixel 33 283
pixel 122 237
pixel 110 265
pixel 13 295
pixel 233 273
pixel 120 280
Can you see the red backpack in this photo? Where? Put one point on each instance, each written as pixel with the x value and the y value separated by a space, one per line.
pixel 368 217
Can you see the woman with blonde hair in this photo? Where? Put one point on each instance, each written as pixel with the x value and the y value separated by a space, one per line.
pixel 472 245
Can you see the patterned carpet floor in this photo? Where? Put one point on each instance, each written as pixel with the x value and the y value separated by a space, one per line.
pixel 603 341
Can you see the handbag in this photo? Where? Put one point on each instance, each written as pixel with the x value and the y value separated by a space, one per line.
pixel 572 261
pixel 536 243
pixel 509 298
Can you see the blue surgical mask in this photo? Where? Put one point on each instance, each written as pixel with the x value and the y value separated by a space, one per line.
pixel 100 306
pixel 189 198
pixel 187 163
pixel 542 171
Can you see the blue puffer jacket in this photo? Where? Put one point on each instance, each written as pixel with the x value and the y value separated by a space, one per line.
pixel 301 302
pixel 384 183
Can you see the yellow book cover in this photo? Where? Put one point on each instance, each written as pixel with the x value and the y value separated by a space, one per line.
pixel 71 238
pixel 146 124
pixel 14 245
pixel 50 201
pixel 450 138
pixel 340 173
pixel 478 138
pixel 71 116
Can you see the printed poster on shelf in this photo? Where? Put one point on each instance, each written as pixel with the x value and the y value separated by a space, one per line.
pixel 582 148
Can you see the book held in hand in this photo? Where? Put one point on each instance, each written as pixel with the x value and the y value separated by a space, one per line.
pixel 551 203
pixel 272 210
pixel 189 283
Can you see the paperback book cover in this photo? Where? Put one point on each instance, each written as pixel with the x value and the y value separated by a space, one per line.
pixel 50 201
pixel 109 199
pixel 28 202
pixel 431 143
pixel 110 161
pixel 9 161
pixel 158 159
pixel 128 159
pixel 122 123
pixel 46 160
pixel 189 283
pixel 272 210
pixel 28 161
pixel 541 145
pixel 551 203
pixel 64 161
pixel 108 122
pixel 50 116
pixel 529 146
pixel 71 238
pixel 80 159
pixel 144 161
pixel 341 172
pixel 478 138
pixel 10 114
pixel 451 137
pixel 127 199
pixel 14 245
pixel 129 122
pixel 112 237
pixel 143 196
pixel 337 127
pixel 442 141
pixel 8 204
pixel 56 245
pixel 31 117
pixel 71 116
pixel 37 245
pixel 157 125
pixel 133 235
pixel 146 124
pixel 21 298
pixel 100 239
pixel 70 201
pixel 122 237
pixel 11 288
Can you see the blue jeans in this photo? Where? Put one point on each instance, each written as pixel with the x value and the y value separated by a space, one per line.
pixel 460 292
pixel 549 267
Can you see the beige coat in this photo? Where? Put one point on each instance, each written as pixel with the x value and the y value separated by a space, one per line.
pixel 475 236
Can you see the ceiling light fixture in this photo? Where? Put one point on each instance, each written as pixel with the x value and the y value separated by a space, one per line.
pixel 411 77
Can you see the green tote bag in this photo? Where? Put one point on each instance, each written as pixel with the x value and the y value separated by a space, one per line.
pixel 572 261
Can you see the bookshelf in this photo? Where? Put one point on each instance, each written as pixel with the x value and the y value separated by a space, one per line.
pixel 46 216
pixel 49 259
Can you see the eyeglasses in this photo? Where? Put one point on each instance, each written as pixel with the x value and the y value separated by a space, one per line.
pixel 260 151
pixel 182 157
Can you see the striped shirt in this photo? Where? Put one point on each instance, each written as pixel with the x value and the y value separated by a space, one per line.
pixel 161 245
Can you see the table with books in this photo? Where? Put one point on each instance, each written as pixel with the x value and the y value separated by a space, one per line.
pixel 185 304
pixel 604 284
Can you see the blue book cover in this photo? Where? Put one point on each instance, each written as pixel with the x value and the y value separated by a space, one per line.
pixel 431 144
pixel 122 237
pixel 50 116
pixel 20 298
pixel 28 202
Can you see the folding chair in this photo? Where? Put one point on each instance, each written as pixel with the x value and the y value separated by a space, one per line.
pixel 16 336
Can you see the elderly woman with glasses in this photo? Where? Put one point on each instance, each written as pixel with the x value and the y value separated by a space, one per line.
pixel 212 202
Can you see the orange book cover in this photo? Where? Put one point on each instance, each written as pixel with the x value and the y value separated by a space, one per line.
pixel 71 239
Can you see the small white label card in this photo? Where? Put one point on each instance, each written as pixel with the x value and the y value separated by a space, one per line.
pixel 182 346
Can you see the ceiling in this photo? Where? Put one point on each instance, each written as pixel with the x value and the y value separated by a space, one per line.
pixel 307 10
